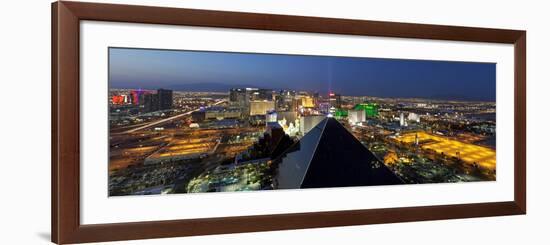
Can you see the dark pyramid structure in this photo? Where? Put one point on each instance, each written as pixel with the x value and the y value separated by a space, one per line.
pixel 330 156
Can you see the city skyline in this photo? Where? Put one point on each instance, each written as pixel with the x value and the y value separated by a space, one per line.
pixel 190 121
pixel 218 71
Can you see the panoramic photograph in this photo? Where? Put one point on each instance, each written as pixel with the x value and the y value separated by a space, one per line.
pixel 203 121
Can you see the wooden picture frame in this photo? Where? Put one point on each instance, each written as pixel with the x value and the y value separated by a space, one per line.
pixel 65 174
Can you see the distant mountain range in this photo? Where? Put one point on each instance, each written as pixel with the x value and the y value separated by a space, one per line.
pixel 207 87
pixel 222 87
pixel 459 97
pixel 197 87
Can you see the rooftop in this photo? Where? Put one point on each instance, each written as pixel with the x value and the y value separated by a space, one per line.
pixel 330 156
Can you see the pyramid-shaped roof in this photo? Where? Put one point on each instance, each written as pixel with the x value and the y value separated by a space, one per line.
pixel 330 156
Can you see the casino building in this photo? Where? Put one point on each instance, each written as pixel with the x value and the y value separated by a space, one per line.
pixel 329 156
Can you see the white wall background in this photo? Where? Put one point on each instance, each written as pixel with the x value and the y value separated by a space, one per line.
pixel 25 121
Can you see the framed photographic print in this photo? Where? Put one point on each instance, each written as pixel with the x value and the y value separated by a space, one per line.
pixel 177 122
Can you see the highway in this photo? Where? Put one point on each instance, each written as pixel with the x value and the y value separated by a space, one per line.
pixel 168 119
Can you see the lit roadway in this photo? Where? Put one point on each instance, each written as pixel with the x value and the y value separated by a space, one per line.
pixel 168 119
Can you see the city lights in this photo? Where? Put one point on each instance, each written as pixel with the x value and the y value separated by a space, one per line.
pixel 338 131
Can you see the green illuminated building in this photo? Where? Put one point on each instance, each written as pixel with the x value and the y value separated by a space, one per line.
pixel 371 109
pixel 339 114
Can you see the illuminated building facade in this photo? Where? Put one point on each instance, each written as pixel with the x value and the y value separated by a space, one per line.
pixel 413 117
pixel 335 100
pixel 136 96
pixel 284 100
pixel 371 109
pixel 261 94
pixel 119 99
pixel 216 113
pixel 271 116
pixel 356 116
pixel 340 114
pixel 261 107
pixel 237 96
pixel 324 107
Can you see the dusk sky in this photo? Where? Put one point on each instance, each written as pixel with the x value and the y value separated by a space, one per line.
pixel 218 71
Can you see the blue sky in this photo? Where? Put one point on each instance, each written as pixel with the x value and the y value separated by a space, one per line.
pixel 151 69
